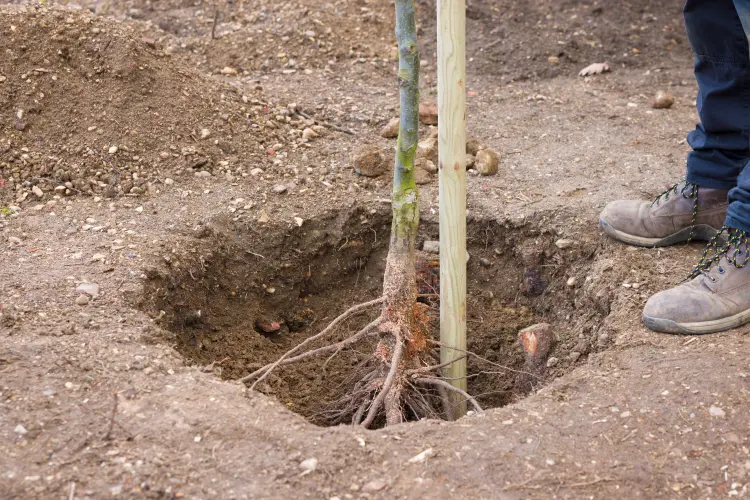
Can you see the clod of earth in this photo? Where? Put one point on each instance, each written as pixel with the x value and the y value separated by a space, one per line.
pixel 371 161
pixel 662 100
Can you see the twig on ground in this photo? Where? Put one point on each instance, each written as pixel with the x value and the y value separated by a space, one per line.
pixel 442 383
pixel 108 436
pixel 213 27
pixel 325 123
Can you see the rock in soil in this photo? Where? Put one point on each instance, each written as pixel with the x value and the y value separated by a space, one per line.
pixel 431 246
pixel 474 146
pixel 390 131
pixel 663 100
pixel 83 299
pixel 371 161
pixel 537 342
pixel 428 148
pixel 486 162
pixel 424 171
pixel 428 113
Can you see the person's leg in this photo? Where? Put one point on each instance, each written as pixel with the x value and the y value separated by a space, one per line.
pixel 717 297
pixel 738 215
pixel 721 141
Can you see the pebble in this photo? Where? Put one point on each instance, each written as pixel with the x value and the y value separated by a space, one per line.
pixel 486 162
pixel 572 281
pixel 279 189
pixel 574 356
pixel 203 173
pixel 431 246
pixel 485 262
pixel 373 486
pixel 37 191
pixel 113 150
pixel 309 465
pixel 309 133
pixel 564 244
pixel 715 411
pixel 91 289
pixel 390 131
pixel 20 429
pixel 256 172
pixel 205 133
pixel 428 113
pixel 663 100
pixel 552 361
pixel 83 299
pixel 168 181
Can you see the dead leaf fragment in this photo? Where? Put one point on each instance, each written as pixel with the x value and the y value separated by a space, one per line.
pixel 594 69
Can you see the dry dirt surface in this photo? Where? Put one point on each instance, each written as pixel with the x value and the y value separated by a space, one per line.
pixel 174 175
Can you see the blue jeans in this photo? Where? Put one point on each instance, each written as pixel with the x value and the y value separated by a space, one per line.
pixel 718 32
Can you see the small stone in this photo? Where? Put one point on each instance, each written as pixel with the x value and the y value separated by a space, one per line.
pixel 553 59
pixel 205 133
pixel 309 133
pixel 228 70
pixel 279 189
pixel 256 172
pixel 422 176
pixel 552 361
pixel 428 113
pixel 717 412
pixel 371 161
pixel 83 299
pixel 263 217
pixel 375 485
pixel 20 429
pixel 426 165
pixel 91 289
pixel 299 221
pixel 625 414
pixel 203 174
pixel 663 100
pixel 14 240
pixel 486 162
pixel 309 465
pixel 428 148
pixel 390 131
pixel 113 150
pixel 572 281
pixel 474 146
pixel 485 262
pixel 168 181
pixel 564 244
pixel 37 191
pixel 431 246
pixel 574 356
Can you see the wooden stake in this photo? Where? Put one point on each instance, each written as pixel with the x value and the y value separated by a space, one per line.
pixel 452 165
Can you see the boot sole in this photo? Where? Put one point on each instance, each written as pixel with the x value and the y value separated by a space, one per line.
pixel 718 325
pixel 702 232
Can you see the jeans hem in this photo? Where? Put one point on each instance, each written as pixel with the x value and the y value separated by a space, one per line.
pixel 736 223
pixel 710 183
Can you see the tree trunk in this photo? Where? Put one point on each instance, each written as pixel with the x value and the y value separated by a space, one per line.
pixel 399 284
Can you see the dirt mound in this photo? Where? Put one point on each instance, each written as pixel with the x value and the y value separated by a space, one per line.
pixel 264 35
pixel 89 105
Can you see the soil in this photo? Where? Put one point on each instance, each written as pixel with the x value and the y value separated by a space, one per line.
pixel 169 167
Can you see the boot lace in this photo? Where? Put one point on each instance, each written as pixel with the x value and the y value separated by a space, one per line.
pixel 729 243
pixel 689 191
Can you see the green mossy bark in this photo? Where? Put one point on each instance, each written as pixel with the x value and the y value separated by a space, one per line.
pixel 405 193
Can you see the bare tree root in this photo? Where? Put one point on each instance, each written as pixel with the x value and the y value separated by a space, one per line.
pixel 266 370
pixel 448 387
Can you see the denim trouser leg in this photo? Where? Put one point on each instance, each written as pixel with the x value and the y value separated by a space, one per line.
pixel 721 141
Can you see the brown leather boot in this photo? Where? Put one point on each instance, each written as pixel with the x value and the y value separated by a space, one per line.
pixel 716 298
pixel 684 212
